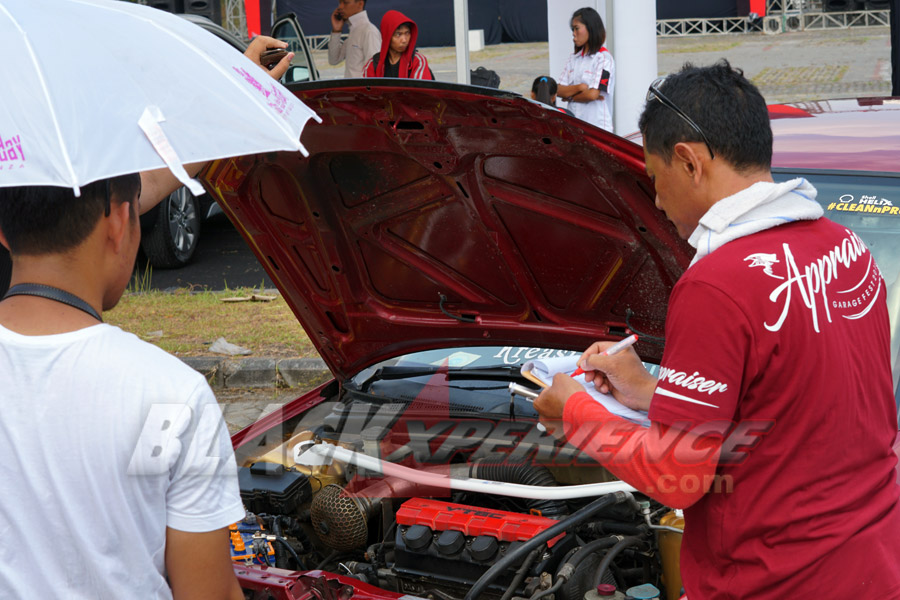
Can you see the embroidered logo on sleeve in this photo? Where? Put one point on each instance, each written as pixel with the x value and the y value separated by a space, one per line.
pixel 693 382
pixel 604 81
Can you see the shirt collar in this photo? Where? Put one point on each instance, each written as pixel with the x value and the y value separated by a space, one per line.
pixel 358 19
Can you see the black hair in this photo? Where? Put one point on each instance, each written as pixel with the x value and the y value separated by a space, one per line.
pixel 595 27
pixel 49 219
pixel 723 103
pixel 544 88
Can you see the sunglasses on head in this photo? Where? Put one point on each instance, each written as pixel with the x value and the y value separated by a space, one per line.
pixel 655 93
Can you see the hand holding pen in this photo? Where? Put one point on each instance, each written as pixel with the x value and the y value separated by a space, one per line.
pixel 614 349
pixel 618 370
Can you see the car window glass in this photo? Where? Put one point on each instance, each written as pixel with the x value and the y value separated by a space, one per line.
pixel 286 32
pixel 870 206
pixel 478 356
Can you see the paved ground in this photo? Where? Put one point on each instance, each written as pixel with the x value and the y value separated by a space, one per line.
pixel 787 67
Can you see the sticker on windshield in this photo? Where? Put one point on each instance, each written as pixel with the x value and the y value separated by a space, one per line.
pixel 864 204
pixel 457 359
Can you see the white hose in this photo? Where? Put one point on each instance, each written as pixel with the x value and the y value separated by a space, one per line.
pixel 500 488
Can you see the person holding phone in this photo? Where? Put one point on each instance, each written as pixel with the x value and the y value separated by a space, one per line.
pixel 362 43
pixel 157 184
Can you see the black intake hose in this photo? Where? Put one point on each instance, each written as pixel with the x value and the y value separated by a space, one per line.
pixel 570 580
pixel 527 475
pixel 542 538
pixel 588 549
pixel 613 552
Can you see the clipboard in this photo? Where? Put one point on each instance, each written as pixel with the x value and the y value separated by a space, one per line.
pixel 533 378
pixel 550 366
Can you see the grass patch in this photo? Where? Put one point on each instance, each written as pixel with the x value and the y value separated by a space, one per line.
pixel 190 321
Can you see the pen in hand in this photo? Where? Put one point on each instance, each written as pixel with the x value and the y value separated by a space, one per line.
pixel 614 349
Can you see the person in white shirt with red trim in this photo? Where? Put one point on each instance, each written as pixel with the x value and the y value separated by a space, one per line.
pixel 588 79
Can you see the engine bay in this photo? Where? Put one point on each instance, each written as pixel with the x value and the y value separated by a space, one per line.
pixel 437 485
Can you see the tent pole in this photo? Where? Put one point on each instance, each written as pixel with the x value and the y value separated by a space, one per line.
pixel 895 47
pixel 461 22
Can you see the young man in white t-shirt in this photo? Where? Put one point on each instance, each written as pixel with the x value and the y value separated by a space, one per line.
pixel 120 475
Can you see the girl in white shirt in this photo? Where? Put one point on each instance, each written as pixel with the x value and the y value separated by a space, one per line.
pixel 588 79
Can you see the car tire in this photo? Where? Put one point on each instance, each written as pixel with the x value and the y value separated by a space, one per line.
pixel 173 239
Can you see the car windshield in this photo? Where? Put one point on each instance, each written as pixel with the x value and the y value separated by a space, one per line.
pixel 869 204
pixel 473 375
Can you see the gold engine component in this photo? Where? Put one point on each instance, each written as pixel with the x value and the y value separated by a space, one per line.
pixel 670 552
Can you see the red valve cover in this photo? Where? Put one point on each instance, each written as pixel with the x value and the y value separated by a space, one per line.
pixel 474 520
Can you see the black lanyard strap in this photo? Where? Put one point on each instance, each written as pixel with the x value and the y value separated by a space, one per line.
pixel 52 293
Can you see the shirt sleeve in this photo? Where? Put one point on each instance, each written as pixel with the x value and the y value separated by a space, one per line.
pixel 662 462
pixel 708 357
pixel 203 493
pixel 337 50
pixel 420 68
pixel 372 42
pixel 597 72
pixel 607 73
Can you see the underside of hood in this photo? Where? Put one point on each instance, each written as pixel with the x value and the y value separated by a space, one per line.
pixel 434 215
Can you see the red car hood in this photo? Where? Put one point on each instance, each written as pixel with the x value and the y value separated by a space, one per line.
pixel 434 215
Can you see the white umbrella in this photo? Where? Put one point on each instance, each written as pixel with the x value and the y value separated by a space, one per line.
pixel 97 88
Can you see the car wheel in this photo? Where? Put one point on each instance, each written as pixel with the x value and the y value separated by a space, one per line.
pixel 172 240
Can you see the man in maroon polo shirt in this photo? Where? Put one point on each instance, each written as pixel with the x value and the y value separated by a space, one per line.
pixel 779 326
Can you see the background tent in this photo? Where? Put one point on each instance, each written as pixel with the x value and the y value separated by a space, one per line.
pixel 501 20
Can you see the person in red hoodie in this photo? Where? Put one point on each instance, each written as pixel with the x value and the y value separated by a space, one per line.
pixel 398 43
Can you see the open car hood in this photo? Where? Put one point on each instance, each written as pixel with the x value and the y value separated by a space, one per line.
pixel 436 215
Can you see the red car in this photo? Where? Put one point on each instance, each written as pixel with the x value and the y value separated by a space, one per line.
pixel 850 151
pixel 437 238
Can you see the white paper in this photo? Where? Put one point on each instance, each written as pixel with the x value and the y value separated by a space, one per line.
pixel 545 369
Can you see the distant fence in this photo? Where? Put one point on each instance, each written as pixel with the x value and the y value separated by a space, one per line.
pixel 772 24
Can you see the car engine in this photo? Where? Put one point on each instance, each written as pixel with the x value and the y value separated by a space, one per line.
pixel 354 495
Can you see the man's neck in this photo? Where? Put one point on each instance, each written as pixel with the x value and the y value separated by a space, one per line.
pixel 728 182
pixel 33 315
pixel 731 182
pixel 393 56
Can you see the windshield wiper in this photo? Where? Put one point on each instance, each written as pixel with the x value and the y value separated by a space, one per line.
pixel 387 373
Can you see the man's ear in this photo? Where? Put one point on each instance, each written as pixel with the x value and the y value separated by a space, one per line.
pixel 119 223
pixel 689 160
pixel 3 241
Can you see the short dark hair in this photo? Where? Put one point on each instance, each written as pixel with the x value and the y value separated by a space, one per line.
pixel 723 103
pixel 48 219
pixel 544 88
pixel 595 27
